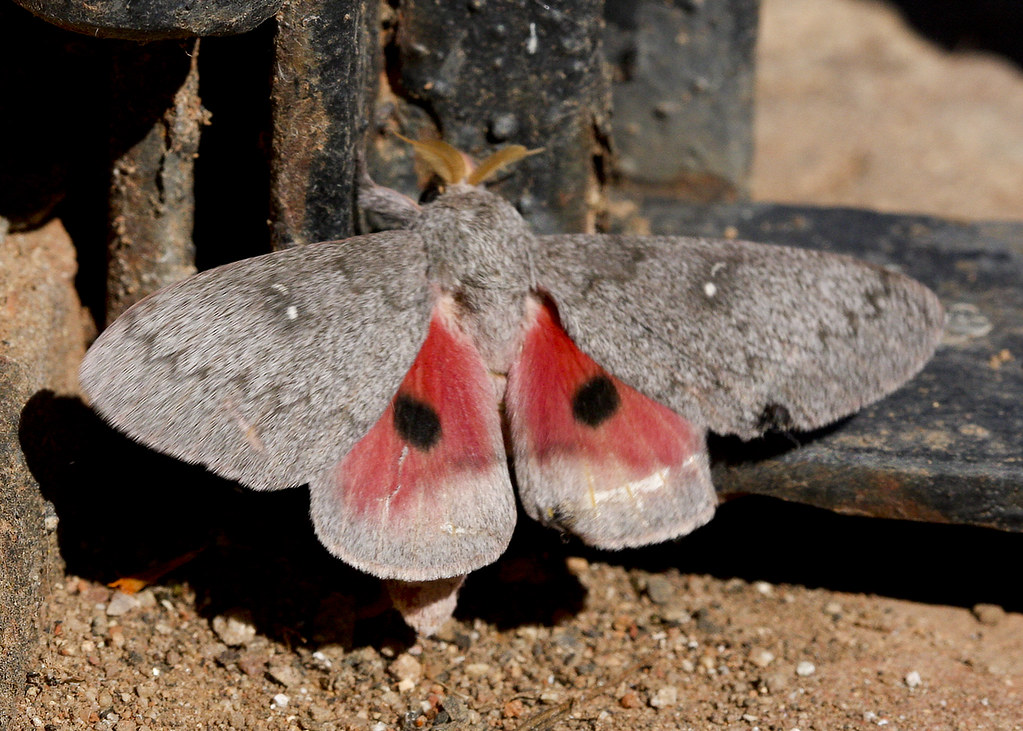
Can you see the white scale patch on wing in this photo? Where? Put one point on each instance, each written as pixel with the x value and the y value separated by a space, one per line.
pixel 651 483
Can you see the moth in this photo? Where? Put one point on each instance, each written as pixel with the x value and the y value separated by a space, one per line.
pixel 390 370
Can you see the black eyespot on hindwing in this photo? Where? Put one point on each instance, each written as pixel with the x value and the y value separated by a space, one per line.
pixel 595 401
pixel 416 422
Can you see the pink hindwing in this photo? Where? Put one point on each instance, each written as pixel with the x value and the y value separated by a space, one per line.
pixel 426 493
pixel 594 456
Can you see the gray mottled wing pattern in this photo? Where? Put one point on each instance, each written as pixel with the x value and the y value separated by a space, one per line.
pixel 736 336
pixel 267 370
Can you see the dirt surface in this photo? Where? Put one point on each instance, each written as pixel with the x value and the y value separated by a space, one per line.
pixel 856 109
pixel 772 617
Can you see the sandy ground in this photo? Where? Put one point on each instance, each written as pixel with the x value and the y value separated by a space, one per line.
pixel 855 109
pixel 773 617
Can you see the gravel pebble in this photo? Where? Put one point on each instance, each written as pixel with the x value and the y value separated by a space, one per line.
pixel 629 700
pixel 805 669
pixel 834 610
pixel 913 679
pixel 285 674
pixel 252 663
pixel 95 593
pixel 320 713
pixel 777 681
pixel 660 590
pixel 477 669
pixel 664 697
pixel 577 564
pixel 988 614
pixel 235 627
pixel 321 661
pixel 406 667
pixel 761 658
pixel 120 604
pixel 146 599
pixel 99 626
pixel 281 700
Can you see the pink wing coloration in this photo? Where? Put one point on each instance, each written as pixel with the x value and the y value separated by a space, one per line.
pixel 594 456
pixel 426 493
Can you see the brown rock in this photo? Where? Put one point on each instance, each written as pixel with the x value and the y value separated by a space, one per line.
pixel 41 342
pixel 989 614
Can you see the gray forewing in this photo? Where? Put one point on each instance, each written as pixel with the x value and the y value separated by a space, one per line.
pixel 267 370
pixel 736 336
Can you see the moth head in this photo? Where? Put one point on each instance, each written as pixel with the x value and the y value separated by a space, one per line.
pixel 475 239
pixel 456 168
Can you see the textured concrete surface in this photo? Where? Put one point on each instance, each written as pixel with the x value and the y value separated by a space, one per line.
pixel 41 341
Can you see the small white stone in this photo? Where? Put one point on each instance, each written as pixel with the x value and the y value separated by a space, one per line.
pixel 477 669
pixel 291 312
pixel 533 42
pixel 664 697
pixel 120 604
pixel 322 661
pixel 764 588
pixel 405 667
pixel 281 700
pixel 710 289
pixel 913 680
pixel 235 627
pixel 761 658
pixel 805 669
